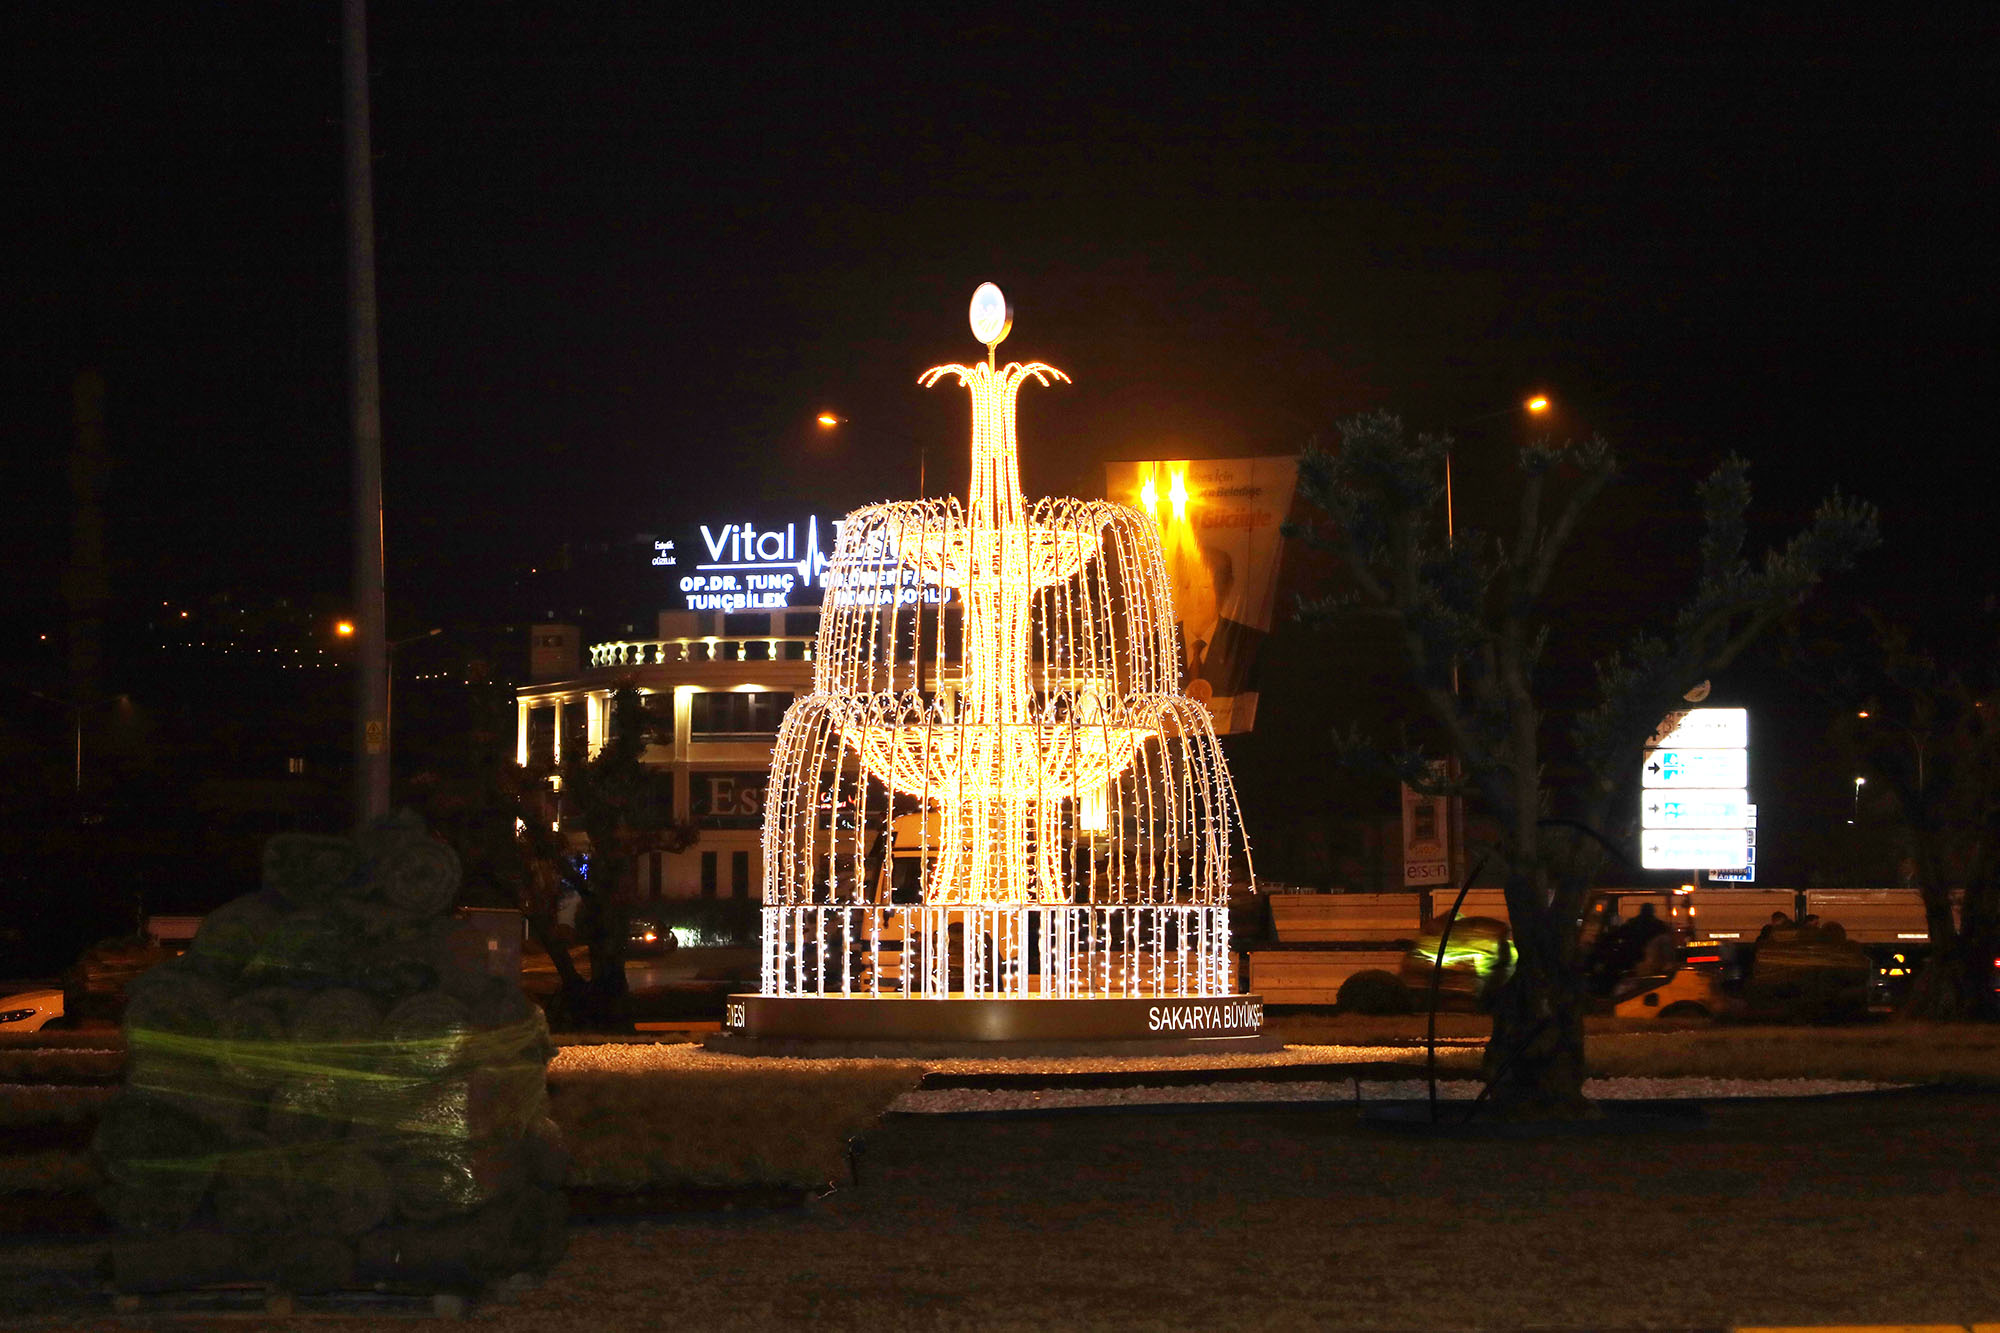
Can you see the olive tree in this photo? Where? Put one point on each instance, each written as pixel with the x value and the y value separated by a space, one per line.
pixel 1474 618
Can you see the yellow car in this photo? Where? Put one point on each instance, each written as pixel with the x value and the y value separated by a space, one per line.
pixel 30 1010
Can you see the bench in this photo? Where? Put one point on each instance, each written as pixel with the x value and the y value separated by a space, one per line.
pixel 1346 918
pixel 1308 965
pixel 1311 976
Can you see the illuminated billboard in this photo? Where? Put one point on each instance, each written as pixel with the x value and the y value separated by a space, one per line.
pixel 738 566
pixel 1221 523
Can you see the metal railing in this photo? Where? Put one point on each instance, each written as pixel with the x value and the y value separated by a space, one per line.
pixel 709 648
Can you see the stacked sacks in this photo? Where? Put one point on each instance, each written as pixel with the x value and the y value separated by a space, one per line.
pixel 331 1089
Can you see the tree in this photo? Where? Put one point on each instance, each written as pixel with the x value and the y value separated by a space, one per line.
pixel 626 809
pixel 499 817
pixel 1473 617
pixel 1923 730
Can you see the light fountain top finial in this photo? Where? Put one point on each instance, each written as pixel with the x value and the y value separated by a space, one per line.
pixel 992 317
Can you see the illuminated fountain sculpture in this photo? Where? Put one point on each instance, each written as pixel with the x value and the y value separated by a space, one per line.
pixel 996 792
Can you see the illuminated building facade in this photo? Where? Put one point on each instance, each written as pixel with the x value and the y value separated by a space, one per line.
pixel 727 680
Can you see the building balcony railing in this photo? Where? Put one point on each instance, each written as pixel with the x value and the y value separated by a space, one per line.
pixel 711 648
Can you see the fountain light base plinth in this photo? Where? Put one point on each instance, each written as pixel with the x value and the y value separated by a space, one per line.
pixel 862 1024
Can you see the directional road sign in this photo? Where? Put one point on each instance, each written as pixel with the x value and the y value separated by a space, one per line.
pixel 1694 803
pixel 1703 729
pixel 1696 768
pixel 1680 849
pixel 1697 808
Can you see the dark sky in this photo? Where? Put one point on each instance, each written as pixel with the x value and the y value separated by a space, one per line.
pixel 625 256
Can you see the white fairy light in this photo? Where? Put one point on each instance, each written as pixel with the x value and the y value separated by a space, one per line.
pixel 996 705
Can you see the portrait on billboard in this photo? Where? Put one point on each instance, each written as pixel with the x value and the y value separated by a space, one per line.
pixel 1221 523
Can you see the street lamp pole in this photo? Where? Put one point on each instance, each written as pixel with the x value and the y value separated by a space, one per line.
pixel 371 694
pixel 833 420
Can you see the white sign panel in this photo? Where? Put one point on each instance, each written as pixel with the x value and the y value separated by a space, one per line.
pixel 1694 849
pixel 1704 729
pixel 1696 768
pixel 1426 851
pixel 1697 808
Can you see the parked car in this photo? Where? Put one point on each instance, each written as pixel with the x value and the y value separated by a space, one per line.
pixel 649 935
pixel 30 1010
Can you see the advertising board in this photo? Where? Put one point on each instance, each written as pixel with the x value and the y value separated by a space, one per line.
pixel 1221 523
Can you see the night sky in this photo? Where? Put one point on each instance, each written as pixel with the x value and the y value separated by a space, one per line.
pixel 625 256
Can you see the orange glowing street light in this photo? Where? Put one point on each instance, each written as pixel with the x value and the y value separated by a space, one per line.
pixel 830 420
pixel 1537 405
pixel 345 629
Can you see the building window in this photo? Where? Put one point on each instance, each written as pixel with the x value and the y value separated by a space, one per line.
pixel 722 715
pixel 541 737
pixel 708 874
pixel 739 874
pixel 575 730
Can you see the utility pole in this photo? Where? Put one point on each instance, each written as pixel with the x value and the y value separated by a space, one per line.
pixel 85 586
pixel 371 691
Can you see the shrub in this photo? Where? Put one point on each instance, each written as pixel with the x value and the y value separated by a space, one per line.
pixel 1375 991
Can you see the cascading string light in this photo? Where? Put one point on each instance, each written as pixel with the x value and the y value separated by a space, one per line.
pixel 996 715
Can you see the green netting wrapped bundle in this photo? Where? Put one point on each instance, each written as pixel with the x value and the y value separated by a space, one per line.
pixel 309 869
pixel 231 935
pixel 489 1101
pixel 340 1188
pixel 250 1190
pixel 333 1086
pixel 252 1050
pixel 418 875
pixel 308 1108
pixel 156 1160
pixel 174 998
pixel 452 1177
pixel 308 949
pixel 308 1263
pixel 346 1020
pixel 164 1263
pixel 429 1033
